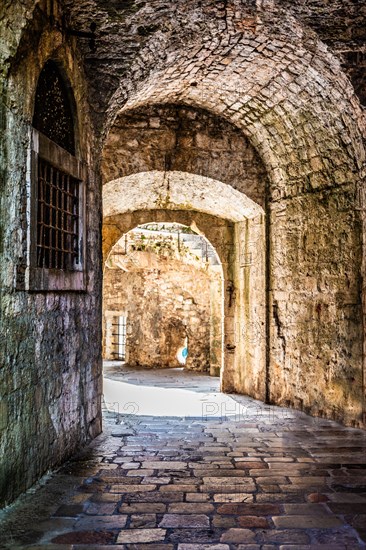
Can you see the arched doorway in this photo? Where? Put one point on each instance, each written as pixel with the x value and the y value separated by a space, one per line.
pixel 163 300
pixel 235 226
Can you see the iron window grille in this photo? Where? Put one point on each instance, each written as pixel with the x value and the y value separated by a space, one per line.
pixel 58 218
pixel 56 206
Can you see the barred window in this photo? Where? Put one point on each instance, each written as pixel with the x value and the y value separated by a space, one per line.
pixel 56 179
pixel 58 218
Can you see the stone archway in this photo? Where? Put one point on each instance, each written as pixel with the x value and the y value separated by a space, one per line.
pixel 280 80
pixel 235 226
pixel 164 278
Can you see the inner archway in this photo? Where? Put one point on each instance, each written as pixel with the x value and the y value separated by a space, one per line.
pixel 235 226
pixel 163 300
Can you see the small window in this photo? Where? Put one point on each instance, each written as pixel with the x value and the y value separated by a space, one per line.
pixel 52 108
pixel 58 218
pixel 119 338
pixel 57 188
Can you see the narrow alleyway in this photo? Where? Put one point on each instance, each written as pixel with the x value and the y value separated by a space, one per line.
pixel 181 466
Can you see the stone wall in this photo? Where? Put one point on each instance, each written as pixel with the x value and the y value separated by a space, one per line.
pixel 179 138
pixel 316 305
pixel 164 304
pixel 50 374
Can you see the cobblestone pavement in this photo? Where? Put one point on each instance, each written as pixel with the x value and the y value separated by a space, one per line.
pixel 241 475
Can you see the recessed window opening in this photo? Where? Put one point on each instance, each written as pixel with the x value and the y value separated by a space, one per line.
pixel 53 115
pixel 56 182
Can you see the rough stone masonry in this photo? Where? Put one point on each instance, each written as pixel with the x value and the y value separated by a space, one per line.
pixel 263 96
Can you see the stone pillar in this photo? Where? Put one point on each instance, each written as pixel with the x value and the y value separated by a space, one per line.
pixel 229 297
pixel 250 307
pixel 216 322
pixel 245 303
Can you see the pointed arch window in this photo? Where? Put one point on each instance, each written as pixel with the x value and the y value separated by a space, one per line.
pixel 53 113
pixel 57 188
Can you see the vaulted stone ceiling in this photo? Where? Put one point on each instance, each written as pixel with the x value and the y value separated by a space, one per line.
pixel 135 38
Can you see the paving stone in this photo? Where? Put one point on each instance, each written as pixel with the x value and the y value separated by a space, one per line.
pixel 251 522
pixel 118 476
pixel 80 498
pixel 197 497
pixel 289 536
pixel 163 507
pixel 190 508
pixel 224 521
pixel 142 520
pixel 268 488
pixel 308 480
pixel 101 508
pixel 190 521
pixel 306 522
pixel 229 485
pixel 301 487
pixel 312 547
pixel 165 465
pixel 178 487
pixel 85 537
pixel 203 547
pixel 99 522
pixel 279 497
pixel 279 459
pixel 105 498
pixel 93 487
pixel 221 473
pixel 235 536
pixel 249 509
pixel 148 546
pixel 141 535
pixel 121 432
pixel 233 497
pixel 156 480
pixel 250 465
pixel 130 488
pixel 346 498
pixel 194 536
pixel 69 510
pixel 317 497
pixel 94 547
pixel 56 525
pixel 146 507
pixel 358 521
pixel 269 481
pixel 305 509
pixel 343 535
pixel 349 508
pixel 52 547
pixel 154 496
pixel 140 473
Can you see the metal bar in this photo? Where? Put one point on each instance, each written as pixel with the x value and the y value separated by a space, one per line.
pixel 57 218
